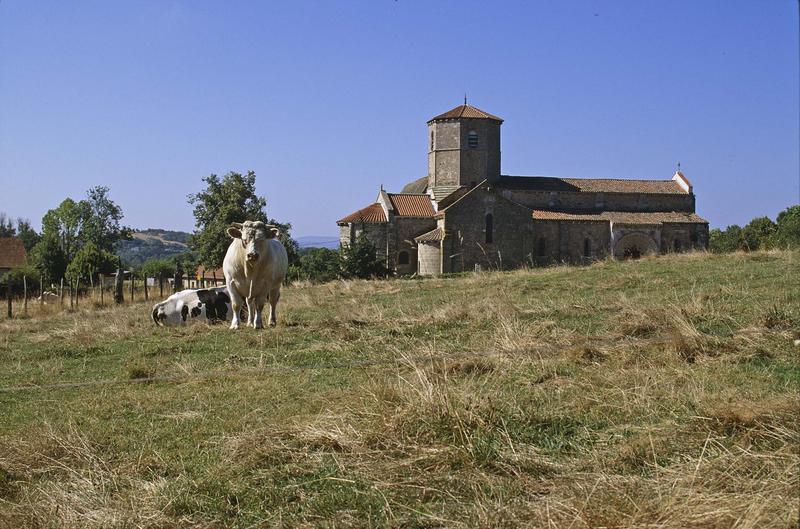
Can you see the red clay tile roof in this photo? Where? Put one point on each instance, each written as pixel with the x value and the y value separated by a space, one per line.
pixel 204 273
pixel 406 205
pixel 370 214
pixel 465 111
pixel 12 252
pixel 622 217
pixel 590 185
pixel 431 236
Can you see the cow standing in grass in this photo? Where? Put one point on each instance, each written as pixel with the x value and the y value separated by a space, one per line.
pixel 255 267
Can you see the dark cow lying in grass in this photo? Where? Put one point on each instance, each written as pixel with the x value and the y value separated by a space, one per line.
pixel 210 305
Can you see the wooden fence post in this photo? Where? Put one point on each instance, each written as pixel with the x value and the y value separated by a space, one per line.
pixel 71 296
pixel 132 286
pixel 41 289
pixel 77 294
pixel 25 295
pixel 8 295
pixel 118 297
pixel 100 278
pixel 144 278
pixel 61 294
pixel 161 284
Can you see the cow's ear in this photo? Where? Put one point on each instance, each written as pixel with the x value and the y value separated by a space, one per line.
pixel 234 233
pixel 272 233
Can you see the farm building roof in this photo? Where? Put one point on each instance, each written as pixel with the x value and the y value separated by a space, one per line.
pixel 208 273
pixel 431 236
pixel 590 185
pixel 622 217
pixel 12 252
pixel 411 205
pixel 465 111
pixel 371 214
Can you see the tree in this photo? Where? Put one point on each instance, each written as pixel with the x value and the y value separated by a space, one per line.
pixel 48 258
pixel 27 234
pixel 65 223
pixel 729 240
pixel 758 233
pixel 225 201
pixel 102 224
pixel 787 228
pixel 316 264
pixel 90 261
pixel 359 259
pixel 6 226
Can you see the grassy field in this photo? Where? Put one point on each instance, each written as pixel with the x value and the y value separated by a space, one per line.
pixel 655 393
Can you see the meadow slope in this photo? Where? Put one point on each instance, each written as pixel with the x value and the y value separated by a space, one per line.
pixel 655 393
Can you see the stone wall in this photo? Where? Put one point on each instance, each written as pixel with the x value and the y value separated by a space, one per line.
pixel 375 233
pixel 403 230
pixel 566 241
pixel 430 256
pixel 689 236
pixel 466 245
pixel 585 201
pixel 451 161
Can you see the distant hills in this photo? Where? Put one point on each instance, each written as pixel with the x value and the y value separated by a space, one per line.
pixel 156 243
pixel 318 241
pixel 153 243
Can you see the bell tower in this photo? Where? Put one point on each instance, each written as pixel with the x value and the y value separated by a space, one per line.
pixel 463 148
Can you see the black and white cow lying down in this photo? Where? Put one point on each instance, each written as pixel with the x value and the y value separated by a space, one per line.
pixel 210 305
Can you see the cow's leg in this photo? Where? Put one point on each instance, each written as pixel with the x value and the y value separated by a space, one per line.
pixel 236 305
pixel 251 311
pixel 258 321
pixel 274 296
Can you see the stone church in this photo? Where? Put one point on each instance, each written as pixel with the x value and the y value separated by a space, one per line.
pixel 466 215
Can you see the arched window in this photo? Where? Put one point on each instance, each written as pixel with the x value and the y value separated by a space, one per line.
pixel 402 258
pixel 542 249
pixel 431 140
pixel 472 139
pixel 676 245
pixel 489 228
pixel 587 247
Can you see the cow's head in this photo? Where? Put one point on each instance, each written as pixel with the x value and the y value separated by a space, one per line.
pixel 253 235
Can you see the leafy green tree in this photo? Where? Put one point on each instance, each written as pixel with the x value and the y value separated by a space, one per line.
pixel 102 223
pixel 758 233
pixel 48 258
pixel 359 260
pixel 224 201
pixel 787 228
pixel 65 223
pixel 27 234
pixel 18 276
pixel 89 261
pixel 729 240
pixel 317 265
pixel 159 268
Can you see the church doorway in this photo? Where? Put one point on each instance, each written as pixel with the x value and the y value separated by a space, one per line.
pixel 634 245
pixel 632 252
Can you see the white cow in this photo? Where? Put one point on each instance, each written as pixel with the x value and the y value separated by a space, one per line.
pixel 255 267
pixel 211 305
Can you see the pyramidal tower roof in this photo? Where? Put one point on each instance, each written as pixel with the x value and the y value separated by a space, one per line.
pixel 465 111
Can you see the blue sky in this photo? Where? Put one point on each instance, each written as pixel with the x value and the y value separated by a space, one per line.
pixel 326 101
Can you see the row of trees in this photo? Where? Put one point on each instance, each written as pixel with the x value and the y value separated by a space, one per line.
pixel 80 239
pixel 761 233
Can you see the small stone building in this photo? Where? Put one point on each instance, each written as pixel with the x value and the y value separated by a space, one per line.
pixel 464 215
